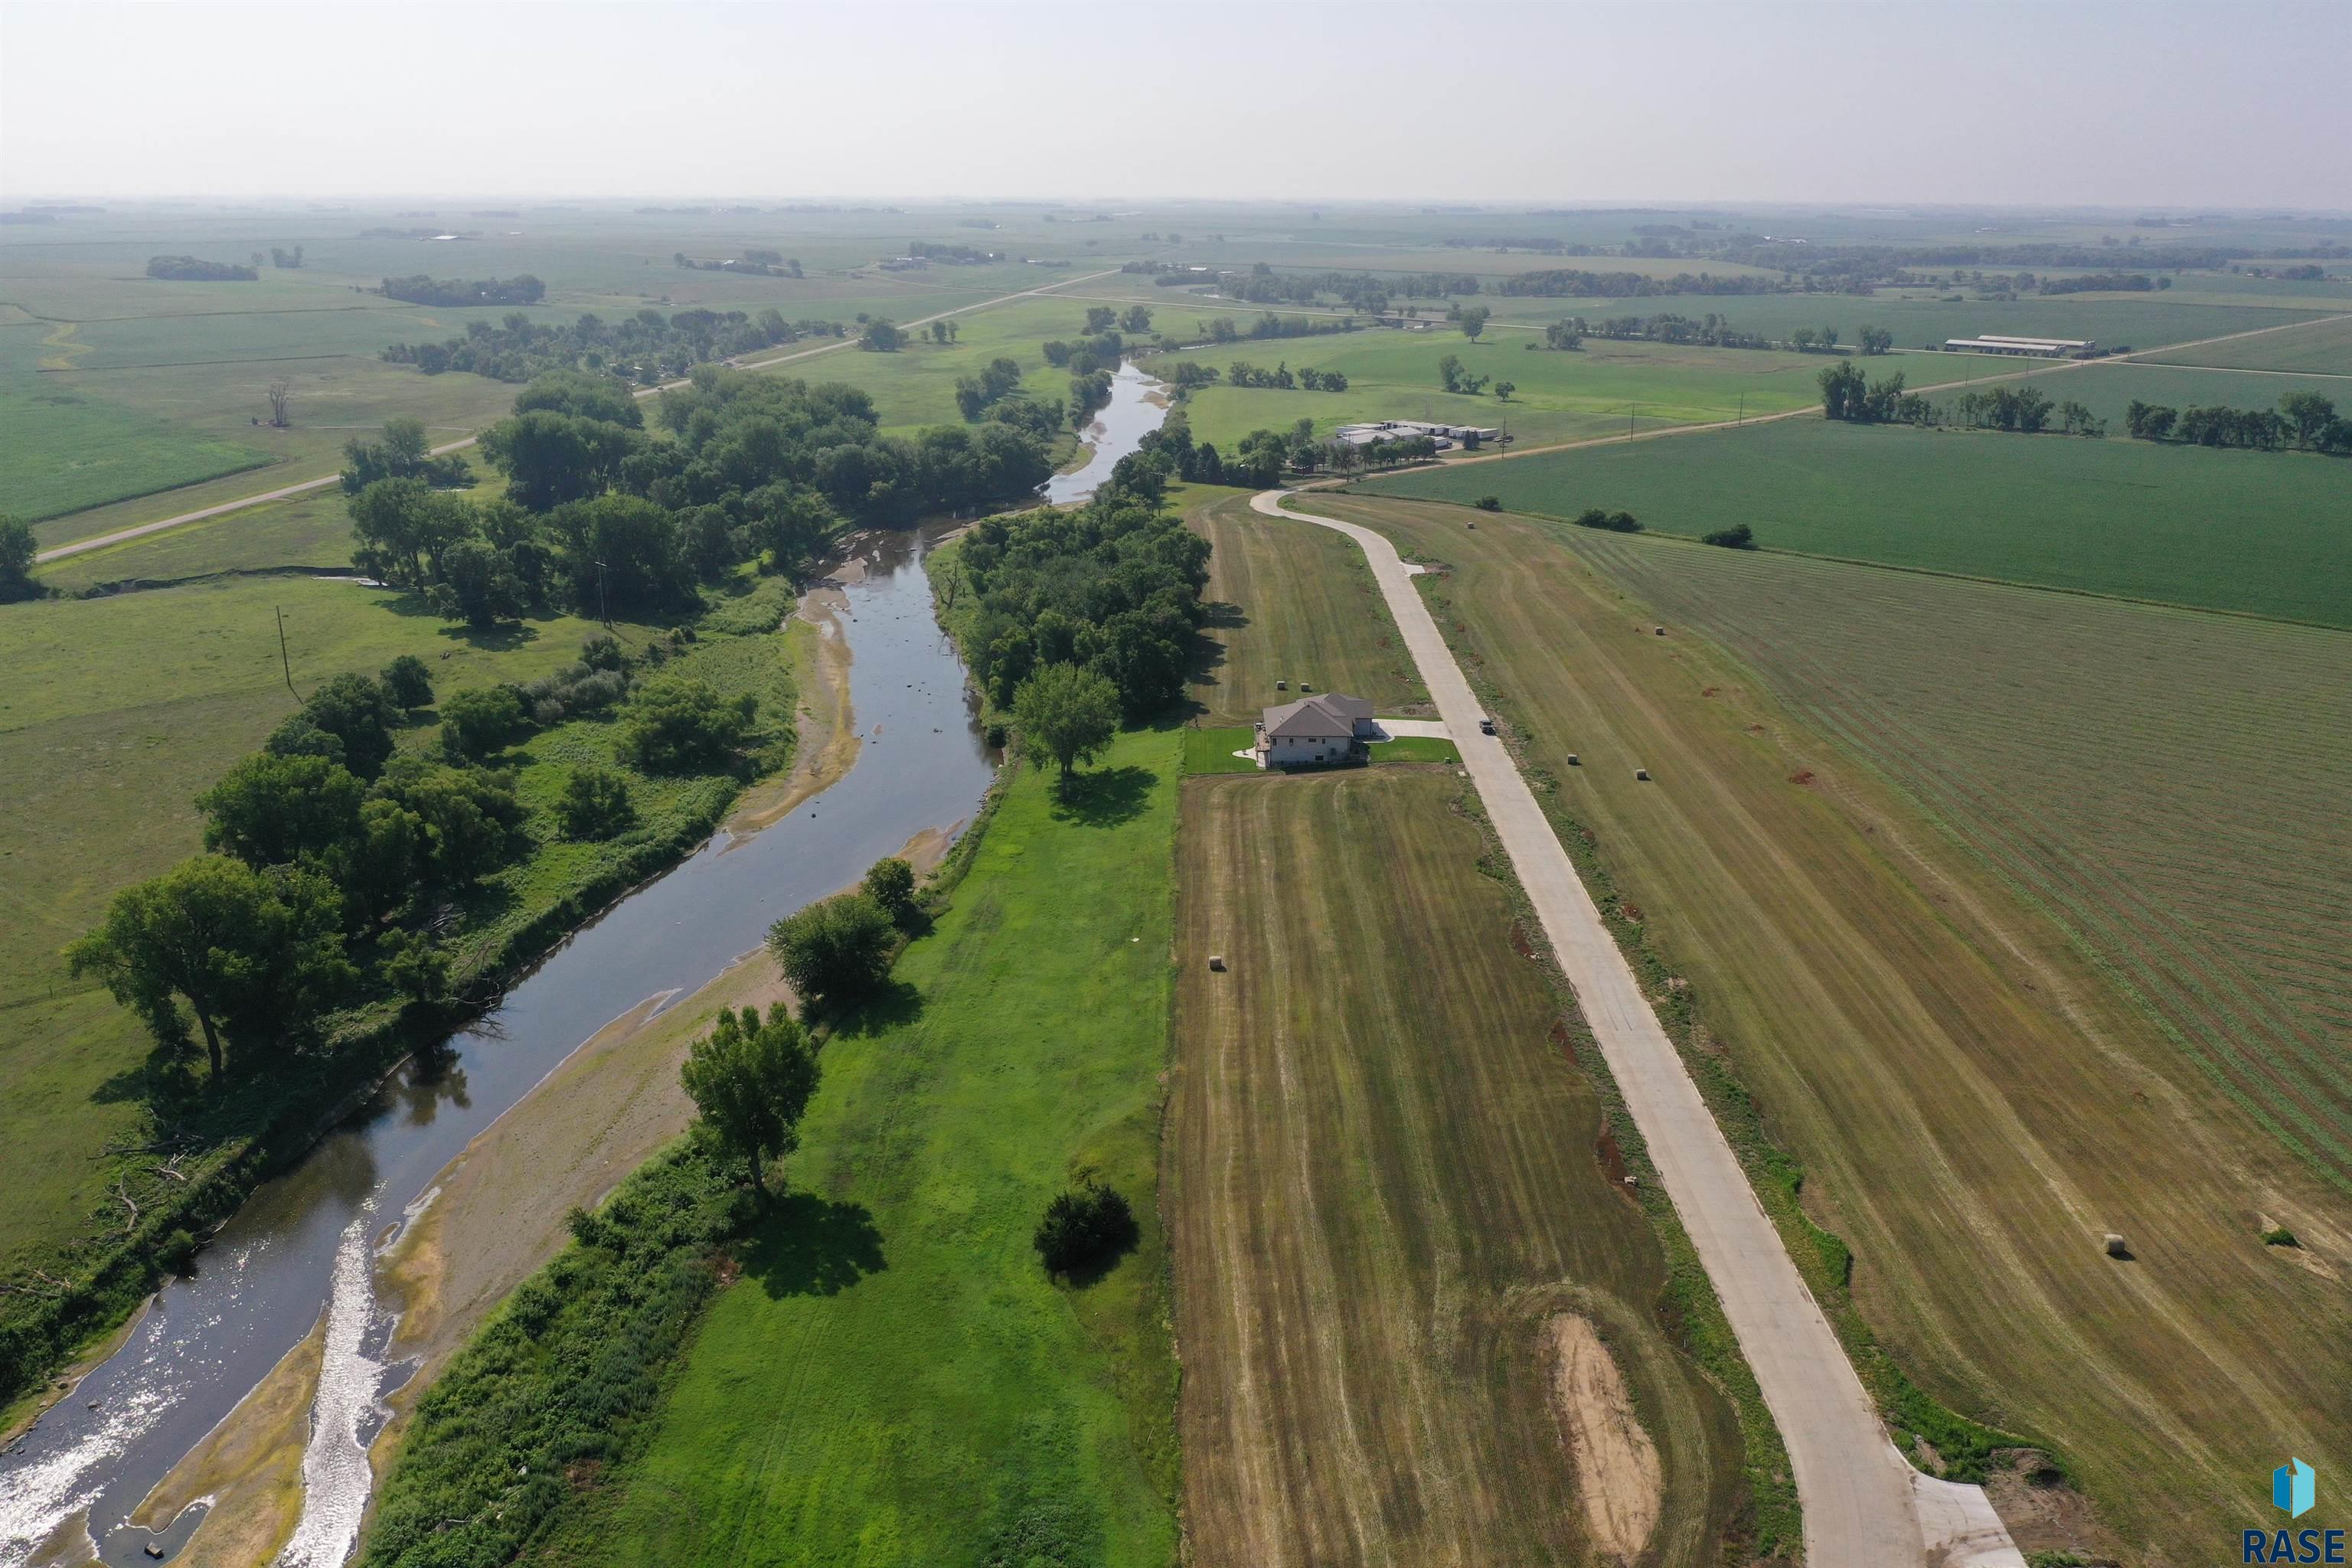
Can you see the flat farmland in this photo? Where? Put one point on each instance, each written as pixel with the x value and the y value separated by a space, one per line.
pixel 1290 601
pixel 2322 347
pixel 65 452
pixel 1386 1184
pixel 312 531
pixel 2256 532
pixel 2022 919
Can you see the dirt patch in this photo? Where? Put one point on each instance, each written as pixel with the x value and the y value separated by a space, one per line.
pixel 828 732
pixel 2044 1513
pixel 1520 942
pixel 1612 1158
pixel 1563 1039
pixel 1802 776
pixel 1617 1472
pixel 249 1469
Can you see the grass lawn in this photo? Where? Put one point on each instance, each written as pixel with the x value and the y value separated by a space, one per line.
pixel 1386 1177
pixel 1211 750
pixel 2020 917
pixel 1290 601
pixel 2262 533
pixel 895 1379
pixel 122 710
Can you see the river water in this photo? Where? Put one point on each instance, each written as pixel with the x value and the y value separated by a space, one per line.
pixel 305 1243
pixel 1137 405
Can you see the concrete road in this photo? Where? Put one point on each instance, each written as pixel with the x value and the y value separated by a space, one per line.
pixel 1861 1509
pixel 286 492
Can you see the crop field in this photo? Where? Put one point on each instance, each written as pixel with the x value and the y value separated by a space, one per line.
pixel 895 1379
pixel 122 710
pixel 2323 347
pixel 2256 532
pixel 65 452
pixel 2021 918
pixel 1385 1179
pixel 1290 601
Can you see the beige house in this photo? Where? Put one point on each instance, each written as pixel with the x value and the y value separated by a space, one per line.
pixel 1325 728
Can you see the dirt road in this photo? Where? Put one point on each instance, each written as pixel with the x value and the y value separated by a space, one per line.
pixel 1862 1509
pixel 308 486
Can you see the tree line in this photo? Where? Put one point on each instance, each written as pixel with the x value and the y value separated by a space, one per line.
pixel 522 288
pixel 645 348
pixel 1282 377
pixel 2304 421
pixel 189 269
pixel 760 263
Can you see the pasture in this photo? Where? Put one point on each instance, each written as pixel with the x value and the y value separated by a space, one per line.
pixel 1291 603
pixel 895 1379
pixel 2255 533
pixel 121 711
pixel 1386 1181
pixel 2019 919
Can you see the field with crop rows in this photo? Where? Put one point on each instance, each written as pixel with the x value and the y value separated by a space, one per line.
pixel 1385 1179
pixel 2266 533
pixel 2021 918
pixel 2323 347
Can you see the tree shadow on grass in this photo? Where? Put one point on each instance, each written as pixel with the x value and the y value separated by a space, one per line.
pixel 1208 652
pixel 809 1245
pixel 896 1004
pixel 1105 797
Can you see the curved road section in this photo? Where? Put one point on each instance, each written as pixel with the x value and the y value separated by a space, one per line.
pixel 1863 1506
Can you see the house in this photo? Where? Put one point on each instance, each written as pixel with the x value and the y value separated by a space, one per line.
pixel 1324 728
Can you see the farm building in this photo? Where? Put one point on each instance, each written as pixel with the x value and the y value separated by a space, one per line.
pixel 1325 728
pixel 1445 436
pixel 2036 348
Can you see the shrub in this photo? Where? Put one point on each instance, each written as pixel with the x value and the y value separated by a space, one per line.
pixel 678 726
pixel 573 690
pixel 1085 1230
pixel 595 803
pixel 477 723
pixel 1613 521
pixel 603 650
pixel 1491 503
pixel 407 683
pixel 2278 1235
pixel 836 950
pixel 1739 536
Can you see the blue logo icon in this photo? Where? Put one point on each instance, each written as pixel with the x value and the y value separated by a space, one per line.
pixel 2294 1487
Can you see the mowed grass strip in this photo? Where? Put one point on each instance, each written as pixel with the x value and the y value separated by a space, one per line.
pixel 895 1379
pixel 1292 602
pixel 1384 1177
pixel 2265 533
pixel 1971 1085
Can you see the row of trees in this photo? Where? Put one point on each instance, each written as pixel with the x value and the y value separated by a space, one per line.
pixel 1578 282
pixel 1220 329
pixel 189 269
pixel 760 263
pixel 645 348
pixel 1135 319
pixel 2304 420
pixel 522 288
pixel 1846 393
pixel 1281 377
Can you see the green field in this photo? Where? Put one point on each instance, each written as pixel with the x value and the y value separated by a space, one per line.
pixel 944 1401
pixel 121 710
pixel 1386 1178
pixel 2019 918
pixel 65 452
pixel 311 533
pixel 2259 534
pixel 2324 347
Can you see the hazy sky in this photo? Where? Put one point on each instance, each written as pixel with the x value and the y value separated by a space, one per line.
pixel 2141 103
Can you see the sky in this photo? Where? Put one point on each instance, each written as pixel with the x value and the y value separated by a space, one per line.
pixel 2145 103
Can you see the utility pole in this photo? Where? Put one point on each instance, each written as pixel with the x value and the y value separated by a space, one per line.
pixel 285 664
pixel 1743 408
pixel 604 612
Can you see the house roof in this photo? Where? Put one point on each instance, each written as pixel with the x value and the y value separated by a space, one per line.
pixel 1314 717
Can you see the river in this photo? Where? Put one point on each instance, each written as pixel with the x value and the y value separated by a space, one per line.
pixel 305 1244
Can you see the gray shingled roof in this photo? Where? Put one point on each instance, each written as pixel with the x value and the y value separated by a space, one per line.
pixel 1314 717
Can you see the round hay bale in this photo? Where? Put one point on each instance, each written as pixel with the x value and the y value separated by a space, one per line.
pixel 1572 762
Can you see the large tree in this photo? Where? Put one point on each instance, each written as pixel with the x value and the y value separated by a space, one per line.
pixel 836 950
pixel 254 955
pixel 1067 714
pixel 551 457
pixel 280 811
pixel 751 1081
pixel 18 550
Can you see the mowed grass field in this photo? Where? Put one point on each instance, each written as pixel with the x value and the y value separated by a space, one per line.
pixel 2002 905
pixel 120 711
pixel 2323 347
pixel 312 532
pixel 1385 1178
pixel 1291 602
pixel 2257 532
pixel 895 1379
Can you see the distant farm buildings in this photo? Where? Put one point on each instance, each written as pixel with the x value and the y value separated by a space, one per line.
pixel 1469 436
pixel 2031 348
pixel 1325 728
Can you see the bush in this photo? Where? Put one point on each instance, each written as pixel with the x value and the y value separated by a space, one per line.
pixel 837 950
pixel 2278 1235
pixel 1739 536
pixel 679 726
pixel 407 683
pixel 891 884
pixel 573 691
pixel 1085 1231
pixel 595 803
pixel 1613 521
pixel 1491 503
pixel 603 650
pixel 477 723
